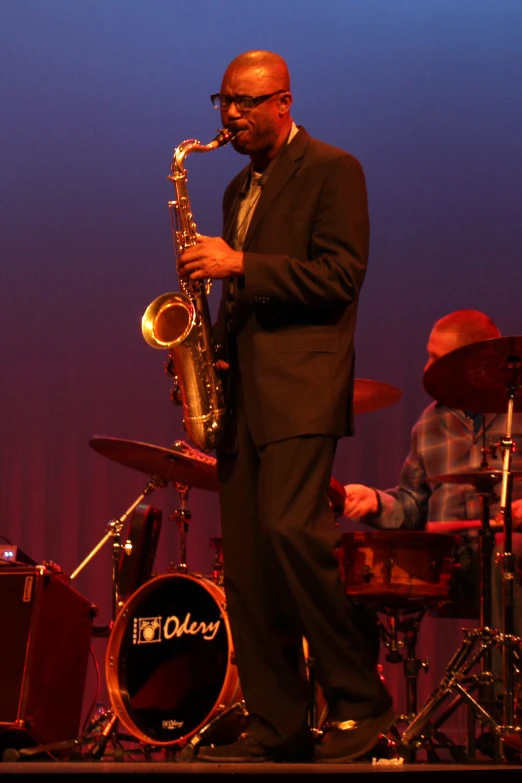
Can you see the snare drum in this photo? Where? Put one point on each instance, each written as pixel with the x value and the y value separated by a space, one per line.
pixel 393 567
pixel 169 664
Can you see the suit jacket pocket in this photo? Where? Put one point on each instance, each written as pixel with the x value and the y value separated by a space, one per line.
pixel 305 342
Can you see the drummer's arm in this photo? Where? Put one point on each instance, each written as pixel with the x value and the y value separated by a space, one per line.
pixel 403 506
pixel 372 507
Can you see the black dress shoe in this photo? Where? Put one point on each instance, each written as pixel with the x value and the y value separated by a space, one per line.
pixel 350 739
pixel 246 749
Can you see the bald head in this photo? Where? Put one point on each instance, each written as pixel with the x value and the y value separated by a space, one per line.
pixel 457 329
pixel 468 326
pixel 268 65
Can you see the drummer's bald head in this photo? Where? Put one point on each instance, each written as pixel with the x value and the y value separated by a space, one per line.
pixel 467 326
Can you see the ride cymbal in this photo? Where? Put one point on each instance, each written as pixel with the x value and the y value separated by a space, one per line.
pixel 179 464
pixel 371 395
pixel 476 377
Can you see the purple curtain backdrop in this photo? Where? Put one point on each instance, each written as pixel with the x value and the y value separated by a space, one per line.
pixel 95 96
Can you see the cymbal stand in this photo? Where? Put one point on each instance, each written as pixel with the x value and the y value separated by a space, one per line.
pixel 508 559
pixel 486 549
pixel 182 516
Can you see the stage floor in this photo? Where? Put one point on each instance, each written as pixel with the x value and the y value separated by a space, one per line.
pixel 10 771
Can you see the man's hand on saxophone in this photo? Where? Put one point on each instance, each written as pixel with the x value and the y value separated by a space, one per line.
pixel 211 257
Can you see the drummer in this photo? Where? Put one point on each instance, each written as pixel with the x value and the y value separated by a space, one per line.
pixel 444 441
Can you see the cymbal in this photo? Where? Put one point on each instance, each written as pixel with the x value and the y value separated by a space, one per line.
pixel 476 377
pixel 481 477
pixel 179 464
pixel 371 395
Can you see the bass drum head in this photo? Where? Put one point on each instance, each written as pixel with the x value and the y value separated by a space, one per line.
pixel 168 664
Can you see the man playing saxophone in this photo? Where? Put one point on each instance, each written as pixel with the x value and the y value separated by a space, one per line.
pixel 292 258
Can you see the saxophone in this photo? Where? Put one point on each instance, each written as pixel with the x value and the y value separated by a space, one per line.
pixel 180 322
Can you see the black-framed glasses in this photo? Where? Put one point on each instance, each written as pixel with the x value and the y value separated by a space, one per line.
pixel 242 102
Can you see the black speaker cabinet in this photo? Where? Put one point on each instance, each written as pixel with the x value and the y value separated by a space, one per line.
pixel 46 630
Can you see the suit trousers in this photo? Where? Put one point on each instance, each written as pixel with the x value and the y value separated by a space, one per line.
pixel 283 585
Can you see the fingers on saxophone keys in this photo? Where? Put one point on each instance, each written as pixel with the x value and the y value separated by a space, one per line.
pixel 195 270
pixel 189 267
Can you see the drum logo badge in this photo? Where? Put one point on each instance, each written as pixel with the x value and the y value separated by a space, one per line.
pixel 147 630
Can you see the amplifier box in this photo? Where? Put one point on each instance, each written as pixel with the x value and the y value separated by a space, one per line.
pixel 13 554
pixel 8 553
pixel 44 653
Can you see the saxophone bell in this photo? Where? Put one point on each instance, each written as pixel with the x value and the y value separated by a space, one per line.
pixel 168 320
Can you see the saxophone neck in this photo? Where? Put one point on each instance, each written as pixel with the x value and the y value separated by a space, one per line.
pixel 193 145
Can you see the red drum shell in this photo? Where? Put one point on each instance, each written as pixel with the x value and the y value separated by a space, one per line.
pixel 392 567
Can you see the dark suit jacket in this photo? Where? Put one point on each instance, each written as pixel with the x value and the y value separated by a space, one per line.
pixel 294 312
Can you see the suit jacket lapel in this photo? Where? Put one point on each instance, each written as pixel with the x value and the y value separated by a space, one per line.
pixel 285 167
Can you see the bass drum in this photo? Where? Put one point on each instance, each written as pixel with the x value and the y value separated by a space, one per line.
pixel 169 665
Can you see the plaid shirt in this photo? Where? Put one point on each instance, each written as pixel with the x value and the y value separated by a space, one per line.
pixel 444 441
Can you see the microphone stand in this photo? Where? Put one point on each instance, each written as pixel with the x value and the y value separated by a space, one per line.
pixel 114 529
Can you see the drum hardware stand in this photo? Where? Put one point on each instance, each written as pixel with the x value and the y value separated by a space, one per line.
pixel 182 516
pixel 217 565
pixel 189 751
pixel 412 665
pixel 409 626
pixel 466 658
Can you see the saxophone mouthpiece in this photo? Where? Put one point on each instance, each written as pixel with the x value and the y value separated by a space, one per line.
pixel 224 136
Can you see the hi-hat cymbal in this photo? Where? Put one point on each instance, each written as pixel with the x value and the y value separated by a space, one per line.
pixel 476 377
pixel 371 395
pixel 480 477
pixel 179 464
